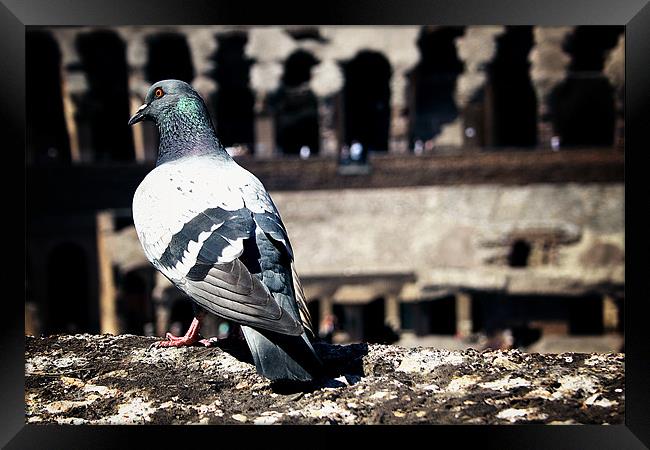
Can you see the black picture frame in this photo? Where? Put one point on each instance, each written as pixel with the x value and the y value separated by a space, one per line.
pixel 15 15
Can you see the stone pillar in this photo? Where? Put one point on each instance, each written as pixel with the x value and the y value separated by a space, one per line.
pixel 268 47
pixel 548 69
pixel 476 48
pixel 136 57
pixel 203 45
pixel 398 140
pixel 73 86
pixel 108 321
pixel 264 130
pixel 615 71
pixel 463 314
pixel 403 54
pixel 328 131
pixel 610 314
pixel 392 312
pixel 326 83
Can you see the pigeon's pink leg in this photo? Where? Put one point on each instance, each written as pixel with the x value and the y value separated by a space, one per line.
pixel 190 338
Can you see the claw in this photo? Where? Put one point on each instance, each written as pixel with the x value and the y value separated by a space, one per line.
pixel 171 337
pixel 191 337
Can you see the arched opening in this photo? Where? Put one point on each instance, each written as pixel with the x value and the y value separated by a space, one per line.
pixel 519 253
pixel 582 107
pixel 168 57
pixel 433 82
pixel 47 137
pixel 366 100
pixel 511 102
pixel 67 290
pixel 234 99
pixel 295 107
pixel 135 300
pixel 106 103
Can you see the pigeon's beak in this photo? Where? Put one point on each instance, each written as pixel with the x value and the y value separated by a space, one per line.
pixel 139 114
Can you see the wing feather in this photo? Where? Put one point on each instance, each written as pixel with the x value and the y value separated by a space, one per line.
pixel 255 308
pixel 305 316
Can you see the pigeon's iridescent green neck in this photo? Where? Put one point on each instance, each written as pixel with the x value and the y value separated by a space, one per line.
pixel 186 130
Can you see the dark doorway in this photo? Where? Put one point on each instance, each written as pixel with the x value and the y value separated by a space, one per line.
pixel 586 315
pixel 492 311
pixel 168 57
pixel 234 100
pixel 582 107
pixel 519 253
pixel 135 299
pixel 67 290
pixel 434 82
pixel 434 316
pixel 511 102
pixel 47 137
pixel 106 104
pixel 366 99
pixel 295 106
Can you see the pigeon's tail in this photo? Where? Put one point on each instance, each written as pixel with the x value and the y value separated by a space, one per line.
pixel 282 357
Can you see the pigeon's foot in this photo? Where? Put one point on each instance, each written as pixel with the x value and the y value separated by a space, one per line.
pixel 190 338
pixel 178 342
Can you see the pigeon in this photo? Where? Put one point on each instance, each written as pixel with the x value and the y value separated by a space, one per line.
pixel 211 228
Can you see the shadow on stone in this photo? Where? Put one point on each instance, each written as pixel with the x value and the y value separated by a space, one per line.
pixel 338 361
pixel 342 360
pixel 342 365
pixel 236 347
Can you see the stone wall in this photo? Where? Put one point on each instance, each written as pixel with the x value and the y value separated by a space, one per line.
pixel 460 235
pixel 84 379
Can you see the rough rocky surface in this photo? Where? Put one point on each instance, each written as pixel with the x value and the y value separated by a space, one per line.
pixel 118 380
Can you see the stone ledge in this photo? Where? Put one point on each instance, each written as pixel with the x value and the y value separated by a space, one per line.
pixel 116 380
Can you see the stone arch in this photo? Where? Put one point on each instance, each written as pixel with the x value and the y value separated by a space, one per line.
pixel 366 100
pixel 433 82
pixel 105 105
pixel 168 57
pixel 511 103
pixel 234 100
pixel 582 107
pixel 47 137
pixel 68 290
pixel 295 106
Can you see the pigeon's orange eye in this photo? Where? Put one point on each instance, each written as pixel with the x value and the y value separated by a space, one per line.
pixel 158 93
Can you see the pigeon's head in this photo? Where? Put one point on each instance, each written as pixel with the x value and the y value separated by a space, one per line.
pixel 169 99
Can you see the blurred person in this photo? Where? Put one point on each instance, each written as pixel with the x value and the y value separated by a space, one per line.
pixel 328 326
pixel 305 152
pixel 356 151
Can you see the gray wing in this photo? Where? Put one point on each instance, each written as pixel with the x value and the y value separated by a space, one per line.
pixel 230 291
pixel 268 219
pixel 227 288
